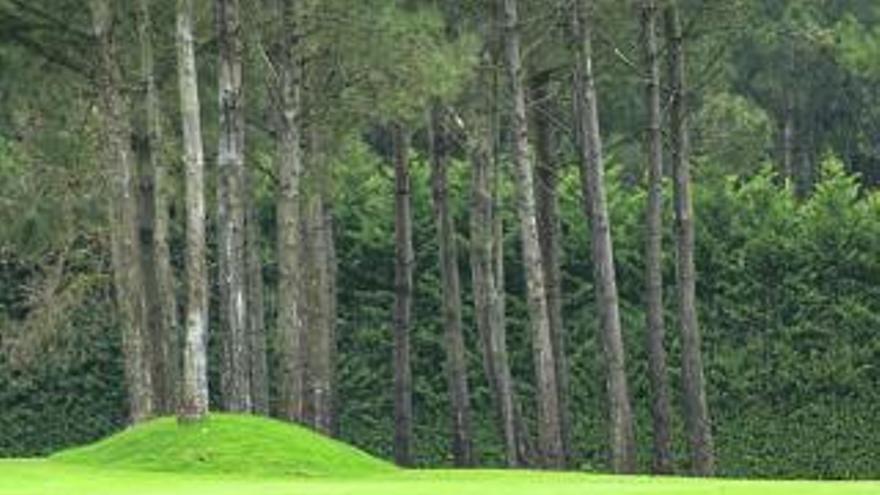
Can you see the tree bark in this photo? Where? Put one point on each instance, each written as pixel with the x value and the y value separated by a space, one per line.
pixel 158 273
pixel 488 288
pixel 127 269
pixel 259 368
pixel 549 434
pixel 456 355
pixel 231 212
pixel 697 420
pixel 657 368
pixel 623 458
pixel 317 287
pixel 287 107
pixel 403 294
pixel 194 387
pixel 547 203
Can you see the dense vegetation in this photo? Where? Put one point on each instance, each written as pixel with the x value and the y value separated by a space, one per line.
pixel 790 304
pixel 785 168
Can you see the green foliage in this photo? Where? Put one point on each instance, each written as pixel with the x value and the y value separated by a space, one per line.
pixel 733 133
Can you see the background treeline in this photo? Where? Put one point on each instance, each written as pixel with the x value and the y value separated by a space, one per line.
pixel 787 241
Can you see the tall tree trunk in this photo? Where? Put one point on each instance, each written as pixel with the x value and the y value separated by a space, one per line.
pixel 231 212
pixel 287 108
pixel 194 389
pixel 697 421
pixel 259 368
pixel 658 374
pixel 320 313
pixel 403 295
pixel 456 356
pixel 162 300
pixel 488 289
pixel 549 435
pixel 127 270
pixel 623 455
pixel 547 202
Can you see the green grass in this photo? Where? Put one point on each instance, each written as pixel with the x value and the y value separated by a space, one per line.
pixel 237 455
pixel 226 444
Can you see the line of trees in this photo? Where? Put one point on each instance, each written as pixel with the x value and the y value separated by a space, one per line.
pixel 305 336
pixel 412 79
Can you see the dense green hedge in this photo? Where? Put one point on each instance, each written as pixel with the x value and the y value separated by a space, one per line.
pixel 789 298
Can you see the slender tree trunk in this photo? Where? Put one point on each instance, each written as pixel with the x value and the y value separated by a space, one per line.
pixel 788 138
pixel 330 292
pixel 162 300
pixel 194 391
pixel 697 421
pixel 658 374
pixel 456 356
pixel 259 367
pixel 320 311
pixel 549 435
pixel 487 288
pixel 489 316
pixel 128 275
pixel 287 107
pixel 231 211
pixel 403 294
pixel 623 455
pixel 547 202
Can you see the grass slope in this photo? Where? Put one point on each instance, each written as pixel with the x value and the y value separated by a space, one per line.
pixel 226 444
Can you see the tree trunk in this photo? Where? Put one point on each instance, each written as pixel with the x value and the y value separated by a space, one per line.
pixel 788 139
pixel 549 435
pixel 259 368
pixel 194 390
pixel 487 287
pixel 697 420
pixel 657 370
pixel 547 202
pixel 231 212
pixel 456 356
pixel 327 421
pixel 320 312
pixel 403 294
pixel 128 276
pixel 290 169
pixel 159 276
pixel 623 458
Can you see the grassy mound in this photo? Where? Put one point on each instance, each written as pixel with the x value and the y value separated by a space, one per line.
pixel 226 444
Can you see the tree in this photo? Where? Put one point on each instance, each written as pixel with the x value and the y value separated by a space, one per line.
pixel 318 293
pixel 194 390
pixel 596 209
pixel 549 434
pixel 403 291
pixel 486 246
pixel 286 108
pixel 658 374
pixel 154 215
pixel 697 420
pixel 127 270
pixel 456 357
pixel 235 372
pixel 256 328
pixel 547 170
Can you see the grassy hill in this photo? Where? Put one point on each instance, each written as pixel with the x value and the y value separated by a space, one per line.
pixel 226 444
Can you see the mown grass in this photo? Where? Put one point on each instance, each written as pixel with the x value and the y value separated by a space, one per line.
pixel 237 455
pixel 226 444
